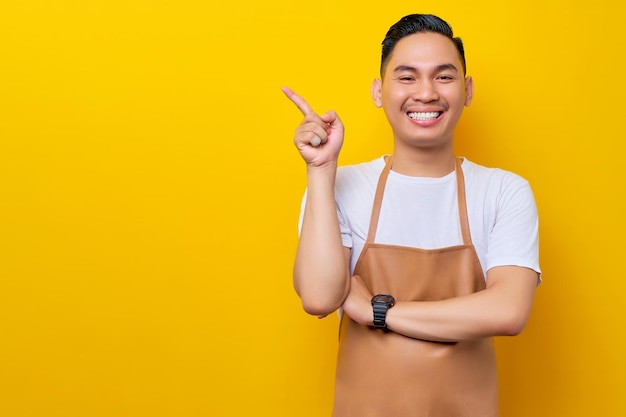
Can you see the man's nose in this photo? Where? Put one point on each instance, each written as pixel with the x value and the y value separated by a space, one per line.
pixel 425 91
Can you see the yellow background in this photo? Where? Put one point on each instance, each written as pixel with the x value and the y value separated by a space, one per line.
pixel 149 194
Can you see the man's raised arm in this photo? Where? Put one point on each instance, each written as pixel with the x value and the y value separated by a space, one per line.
pixel 321 270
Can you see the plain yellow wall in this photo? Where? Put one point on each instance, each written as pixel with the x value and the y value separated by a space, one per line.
pixel 149 194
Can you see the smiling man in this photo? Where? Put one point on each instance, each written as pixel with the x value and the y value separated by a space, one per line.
pixel 428 255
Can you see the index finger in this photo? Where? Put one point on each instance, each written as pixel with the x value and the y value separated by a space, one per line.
pixel 298 101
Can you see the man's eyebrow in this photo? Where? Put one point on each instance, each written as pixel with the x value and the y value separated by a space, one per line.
pixel 402 68
pixel 446 67
pixel 438 68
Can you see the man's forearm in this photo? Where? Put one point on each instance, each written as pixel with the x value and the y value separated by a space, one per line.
pixel 500 310
pixel 321 270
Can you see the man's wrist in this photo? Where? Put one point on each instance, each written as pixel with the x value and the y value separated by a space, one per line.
pixel 381 303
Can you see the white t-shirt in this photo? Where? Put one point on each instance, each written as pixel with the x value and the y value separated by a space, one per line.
pixel 423 212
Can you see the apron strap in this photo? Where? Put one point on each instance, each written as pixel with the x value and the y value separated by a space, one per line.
pixel 378 200
pixel 460 197
pixel 380 191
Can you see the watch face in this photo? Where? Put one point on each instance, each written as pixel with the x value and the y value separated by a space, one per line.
pixel 383 298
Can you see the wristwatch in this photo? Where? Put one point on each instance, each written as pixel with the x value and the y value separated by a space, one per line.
pixel 381 303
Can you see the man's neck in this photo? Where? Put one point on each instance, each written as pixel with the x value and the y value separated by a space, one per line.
pixel 433 163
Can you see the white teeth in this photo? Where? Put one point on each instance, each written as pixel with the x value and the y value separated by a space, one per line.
pixel 424 115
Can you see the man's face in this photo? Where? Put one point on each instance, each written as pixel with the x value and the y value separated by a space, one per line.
pixel 423 90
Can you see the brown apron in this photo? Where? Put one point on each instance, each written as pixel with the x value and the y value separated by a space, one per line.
pixel 389 375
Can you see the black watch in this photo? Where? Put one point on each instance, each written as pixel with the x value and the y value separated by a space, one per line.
pixel 381 303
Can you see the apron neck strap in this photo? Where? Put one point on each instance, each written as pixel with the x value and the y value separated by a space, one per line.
pixel 380 191
pixel 378 200
pixel 460 197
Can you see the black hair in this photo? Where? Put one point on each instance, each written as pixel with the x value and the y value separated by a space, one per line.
pixel 416 23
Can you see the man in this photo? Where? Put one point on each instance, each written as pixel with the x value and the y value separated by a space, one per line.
pixel 427 255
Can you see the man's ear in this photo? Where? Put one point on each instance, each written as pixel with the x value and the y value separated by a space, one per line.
pixel 469 90
pixel 377 86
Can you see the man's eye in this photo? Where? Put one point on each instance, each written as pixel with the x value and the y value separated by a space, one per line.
pixel 445 78
pixel 406 78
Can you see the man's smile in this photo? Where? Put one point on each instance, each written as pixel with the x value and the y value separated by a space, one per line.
pixel 429 115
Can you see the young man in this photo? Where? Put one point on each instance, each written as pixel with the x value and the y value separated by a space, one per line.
pixel 427 255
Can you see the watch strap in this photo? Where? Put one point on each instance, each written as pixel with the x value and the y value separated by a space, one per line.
pixel 380 315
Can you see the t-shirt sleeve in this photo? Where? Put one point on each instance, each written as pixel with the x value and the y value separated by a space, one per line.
pixel 346 234
pixel 514 238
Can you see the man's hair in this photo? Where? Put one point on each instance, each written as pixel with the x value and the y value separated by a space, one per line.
pixel 418 23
